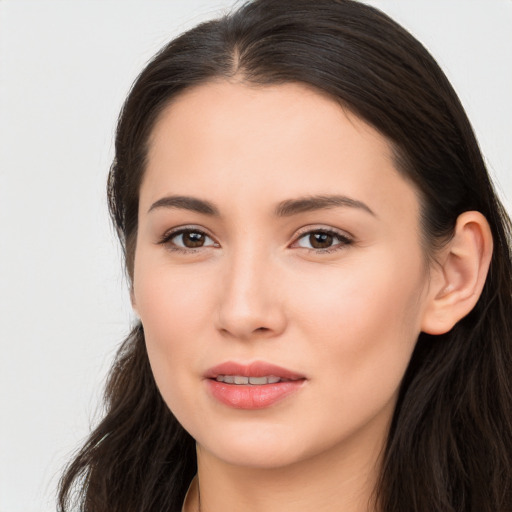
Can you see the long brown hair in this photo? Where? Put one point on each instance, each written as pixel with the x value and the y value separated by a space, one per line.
pixel 450 443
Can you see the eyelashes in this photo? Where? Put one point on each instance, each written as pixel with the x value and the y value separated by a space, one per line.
pixel 188 239
pixel 322 240
pixel 317 240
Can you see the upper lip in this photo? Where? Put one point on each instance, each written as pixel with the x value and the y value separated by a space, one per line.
pixel 254 369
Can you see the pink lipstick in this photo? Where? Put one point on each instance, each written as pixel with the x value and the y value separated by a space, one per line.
pixel 251 386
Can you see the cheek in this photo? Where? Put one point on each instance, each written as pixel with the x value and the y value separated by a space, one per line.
pixel 173 310
pixel 364 322
pixel 175 307
pixel 170 299
pixel 381 291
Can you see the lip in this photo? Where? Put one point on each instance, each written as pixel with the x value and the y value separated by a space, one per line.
pixel 250 396
pixel 254 369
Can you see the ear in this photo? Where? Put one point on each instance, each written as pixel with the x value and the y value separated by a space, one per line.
pixel 132 300
pixel 460 276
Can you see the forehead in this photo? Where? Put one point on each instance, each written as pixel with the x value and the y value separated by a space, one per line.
pixel 228 140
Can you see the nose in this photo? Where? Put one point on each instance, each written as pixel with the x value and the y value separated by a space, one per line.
pixel 250 303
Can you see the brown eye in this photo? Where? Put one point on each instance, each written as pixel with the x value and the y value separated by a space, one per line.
pixel 321 240
pixel 188 239
pixel 193 239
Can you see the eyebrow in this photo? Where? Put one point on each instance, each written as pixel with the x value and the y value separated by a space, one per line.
pixel 186 203
pixel 285 208
pixel 311 203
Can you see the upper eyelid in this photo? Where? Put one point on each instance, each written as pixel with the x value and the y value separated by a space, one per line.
pixel 170 233
pixel 186 227
pixel 344 239
pixel 326 229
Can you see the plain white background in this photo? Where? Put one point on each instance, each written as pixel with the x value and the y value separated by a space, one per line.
pixel 65 68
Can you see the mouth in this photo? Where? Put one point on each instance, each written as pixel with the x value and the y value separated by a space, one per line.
pixel 252 371
pixel 252 381
pixel 252 386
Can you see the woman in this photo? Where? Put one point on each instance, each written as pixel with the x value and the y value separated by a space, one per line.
pixel 322 272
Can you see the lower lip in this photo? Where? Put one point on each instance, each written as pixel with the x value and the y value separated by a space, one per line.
pixel 240 396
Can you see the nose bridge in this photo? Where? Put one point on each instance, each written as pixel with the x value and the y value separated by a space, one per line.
pixel 249 304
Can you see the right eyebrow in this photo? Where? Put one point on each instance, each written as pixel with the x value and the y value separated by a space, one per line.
pixel 186 203
pixel 310 203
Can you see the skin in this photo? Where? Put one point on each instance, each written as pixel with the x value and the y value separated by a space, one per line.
pixel 346 317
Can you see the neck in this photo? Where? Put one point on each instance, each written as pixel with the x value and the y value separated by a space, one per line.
pixel 343 478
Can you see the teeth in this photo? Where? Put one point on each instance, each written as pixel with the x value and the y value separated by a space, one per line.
pixel 258 380
pixel 255 381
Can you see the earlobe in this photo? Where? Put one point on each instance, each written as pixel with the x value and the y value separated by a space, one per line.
pixel 461 274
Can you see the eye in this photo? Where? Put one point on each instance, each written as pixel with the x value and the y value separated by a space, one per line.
pixel 187 238
pixel 322 240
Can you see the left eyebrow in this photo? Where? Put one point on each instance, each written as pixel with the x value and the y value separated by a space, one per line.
pixel 310 203
pixel 186 203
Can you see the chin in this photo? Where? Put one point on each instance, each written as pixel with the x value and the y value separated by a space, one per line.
pixel 252 449
pixel 256 457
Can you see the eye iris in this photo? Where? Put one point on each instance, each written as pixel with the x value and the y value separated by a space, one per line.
pixel 193 239
pixel 321 240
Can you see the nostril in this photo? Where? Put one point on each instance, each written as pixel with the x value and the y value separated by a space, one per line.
pixel 243 320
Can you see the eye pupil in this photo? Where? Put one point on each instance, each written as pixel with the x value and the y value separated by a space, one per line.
pixel 193 239
pixel 320 240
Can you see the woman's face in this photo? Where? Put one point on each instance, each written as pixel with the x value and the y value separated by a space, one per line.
pixel 275 230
